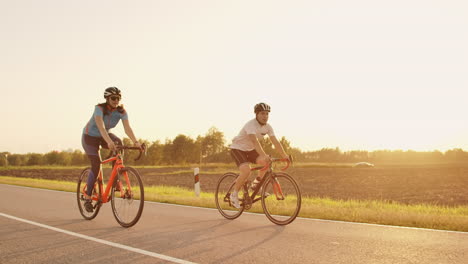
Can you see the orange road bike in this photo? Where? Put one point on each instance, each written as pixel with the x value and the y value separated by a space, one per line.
pixel 124 189
pixel 279 193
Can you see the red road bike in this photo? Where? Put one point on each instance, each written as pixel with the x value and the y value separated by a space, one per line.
pixel 278 191
pixel 124 190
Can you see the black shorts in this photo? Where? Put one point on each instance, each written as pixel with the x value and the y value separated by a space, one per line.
pixel 241 157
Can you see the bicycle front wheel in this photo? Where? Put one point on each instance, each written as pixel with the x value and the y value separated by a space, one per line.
pixel 281 198
pixel 127 197
pixel 223 191
pixel 81 191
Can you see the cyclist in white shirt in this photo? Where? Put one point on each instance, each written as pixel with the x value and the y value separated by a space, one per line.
pixel 246 148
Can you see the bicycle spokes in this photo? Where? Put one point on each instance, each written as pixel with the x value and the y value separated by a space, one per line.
pixel 222 196
pixel 283 207
pixel 127 198
pixel 81 195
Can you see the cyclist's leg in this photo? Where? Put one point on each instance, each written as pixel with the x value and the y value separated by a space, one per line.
pixel 262 162
pixel 242 160
pixel 95 167
pixel 91 148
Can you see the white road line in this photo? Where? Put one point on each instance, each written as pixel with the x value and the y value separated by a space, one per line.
pixel 105 242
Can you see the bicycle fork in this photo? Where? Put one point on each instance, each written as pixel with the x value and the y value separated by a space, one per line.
pixel 123 184
pixel 277 189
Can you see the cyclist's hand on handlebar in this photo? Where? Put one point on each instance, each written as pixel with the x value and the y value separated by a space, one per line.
pixel 137 144
pixel 112 146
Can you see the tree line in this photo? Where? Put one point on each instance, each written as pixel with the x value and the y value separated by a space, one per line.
pixel 212 148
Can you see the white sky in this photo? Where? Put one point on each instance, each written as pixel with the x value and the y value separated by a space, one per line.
pixel 349 74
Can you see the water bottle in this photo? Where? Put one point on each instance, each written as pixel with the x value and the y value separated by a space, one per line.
pixel 255 183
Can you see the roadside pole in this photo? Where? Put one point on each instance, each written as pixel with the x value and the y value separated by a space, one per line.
pixel 197 181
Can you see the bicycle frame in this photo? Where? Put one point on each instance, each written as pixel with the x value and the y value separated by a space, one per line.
pixel 123 187
pixel 281 204
pixel 276 185
pixel 118 167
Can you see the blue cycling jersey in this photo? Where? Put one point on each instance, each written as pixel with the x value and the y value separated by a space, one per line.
pixel 110 121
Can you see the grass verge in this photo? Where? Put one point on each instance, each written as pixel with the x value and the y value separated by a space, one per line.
pixel 375 212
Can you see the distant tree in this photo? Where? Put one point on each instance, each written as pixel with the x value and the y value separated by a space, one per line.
pixel 78 158
pixel 330 155
pixel 456 155
pixel 16 160
pixel 64 158
pixel 167 157
pixel 212 144
pixel 4 158
pixel 154 153
pixel 285 143
pixel 356 156
pixel 183 150
pixel 35 159
pixel 51 158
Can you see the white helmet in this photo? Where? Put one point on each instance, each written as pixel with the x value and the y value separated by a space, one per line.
pixel 112 91
pixel 261 107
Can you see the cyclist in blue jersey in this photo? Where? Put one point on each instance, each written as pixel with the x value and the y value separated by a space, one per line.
pixel 96 133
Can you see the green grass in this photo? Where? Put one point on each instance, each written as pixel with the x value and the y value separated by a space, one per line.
pixel 377 212
pixel 40 167
pixel 40 183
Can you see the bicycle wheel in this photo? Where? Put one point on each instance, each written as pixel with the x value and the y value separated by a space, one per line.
pixel 81 190
pixel 127 197
pixel 281 198
pixel 223 191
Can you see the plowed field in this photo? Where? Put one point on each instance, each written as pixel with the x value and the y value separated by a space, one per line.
pixel 409 185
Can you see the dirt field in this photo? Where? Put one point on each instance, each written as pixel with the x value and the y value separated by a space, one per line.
pixel 446 185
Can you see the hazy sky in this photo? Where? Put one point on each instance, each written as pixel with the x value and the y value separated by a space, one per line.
pixel 337 73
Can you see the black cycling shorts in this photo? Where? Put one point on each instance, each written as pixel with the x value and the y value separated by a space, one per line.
pixel 241 157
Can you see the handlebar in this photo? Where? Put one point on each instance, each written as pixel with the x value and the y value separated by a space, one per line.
pixel 120 147
pixel 289 161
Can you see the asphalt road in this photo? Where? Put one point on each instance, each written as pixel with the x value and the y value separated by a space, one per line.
pixel 40 226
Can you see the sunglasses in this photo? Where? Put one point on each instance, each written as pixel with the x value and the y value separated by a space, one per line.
pixel 115 98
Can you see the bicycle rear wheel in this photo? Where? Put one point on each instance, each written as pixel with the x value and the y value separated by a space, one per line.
pixel 281 198
pixel 81 191
pixel 223 191
pixel 127 197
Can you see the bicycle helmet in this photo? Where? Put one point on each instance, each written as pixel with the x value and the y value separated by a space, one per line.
pixel 112 91
pixel 261 107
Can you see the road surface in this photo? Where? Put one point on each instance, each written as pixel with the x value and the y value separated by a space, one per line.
pixel 41 226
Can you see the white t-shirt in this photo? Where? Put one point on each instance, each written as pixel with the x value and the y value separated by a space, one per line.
pixel 243 142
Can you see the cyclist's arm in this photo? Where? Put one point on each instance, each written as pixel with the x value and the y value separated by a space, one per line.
pixel 129 131
pixel 279 147
pixel 257 145
pixel 102 130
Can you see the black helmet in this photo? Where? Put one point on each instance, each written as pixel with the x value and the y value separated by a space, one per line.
pixel 261 107
pixel 112 91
